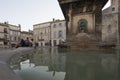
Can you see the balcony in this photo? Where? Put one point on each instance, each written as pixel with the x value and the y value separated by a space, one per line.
pixel 41 39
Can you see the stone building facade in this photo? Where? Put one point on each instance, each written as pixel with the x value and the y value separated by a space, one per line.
pixel 111 23
pixel 9 34
pixel 4 34
pixel 41 33
pixel 15 34
pixel 58 32
pixel 27 34
pixel 50 33
pixel 83 20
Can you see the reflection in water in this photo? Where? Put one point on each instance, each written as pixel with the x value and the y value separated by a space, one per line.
pixel 43 64
pixel 89 65
pixel 54 64
pixel 118 59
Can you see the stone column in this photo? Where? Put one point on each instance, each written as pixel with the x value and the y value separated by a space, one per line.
pixel 70 19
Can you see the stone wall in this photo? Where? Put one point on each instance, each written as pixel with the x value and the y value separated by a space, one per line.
pixel 110 21
pixel 109 28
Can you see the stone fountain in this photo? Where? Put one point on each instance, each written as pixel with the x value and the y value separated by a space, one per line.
pixel 83 20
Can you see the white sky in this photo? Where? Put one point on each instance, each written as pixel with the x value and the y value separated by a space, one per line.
pixel 108 4
pixel 30 12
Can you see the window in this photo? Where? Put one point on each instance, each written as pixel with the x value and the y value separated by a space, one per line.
pixel 54 25
pixel 60 24
pixel 15 38
pixel 12 38
pixel 60 33
pixel 5 30
pixel 54 34
pixel 113 9
pixel 113 2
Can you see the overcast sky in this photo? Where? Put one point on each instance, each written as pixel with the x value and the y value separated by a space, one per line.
pixel 29 12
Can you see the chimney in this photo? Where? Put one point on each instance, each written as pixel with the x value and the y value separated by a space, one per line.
pixel 6 22
pixel 19 25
